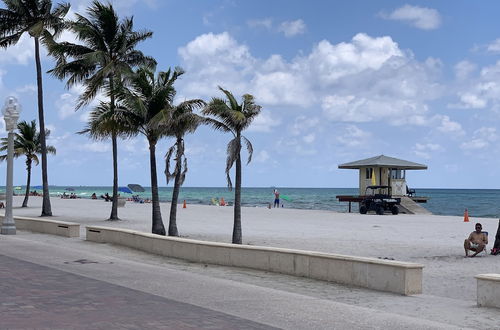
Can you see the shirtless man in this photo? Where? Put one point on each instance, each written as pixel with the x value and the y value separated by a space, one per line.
pixel 476 242
pixel 276 198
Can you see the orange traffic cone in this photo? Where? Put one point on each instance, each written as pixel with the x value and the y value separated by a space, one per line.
pixel 466 216
pixel 184 206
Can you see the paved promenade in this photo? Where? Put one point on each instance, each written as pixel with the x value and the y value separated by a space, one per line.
pixel 50 282
pixel 38 297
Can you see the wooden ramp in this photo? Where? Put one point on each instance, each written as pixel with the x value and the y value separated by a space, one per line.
pixel 409 206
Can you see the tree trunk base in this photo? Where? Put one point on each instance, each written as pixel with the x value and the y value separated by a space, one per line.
pixel 159 231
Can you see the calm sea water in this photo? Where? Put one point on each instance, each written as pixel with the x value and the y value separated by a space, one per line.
pixel 479 202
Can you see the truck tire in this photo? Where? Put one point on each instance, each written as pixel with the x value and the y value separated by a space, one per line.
pixel 395 210
pixel 363 209
pixel 379 209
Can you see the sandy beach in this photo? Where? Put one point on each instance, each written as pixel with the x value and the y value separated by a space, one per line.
pixel 435 241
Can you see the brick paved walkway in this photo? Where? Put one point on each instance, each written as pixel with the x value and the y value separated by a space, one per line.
pixel 39 297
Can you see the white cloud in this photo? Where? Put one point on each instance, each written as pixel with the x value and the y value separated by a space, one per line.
pixel 352 136
pixel 97 146
pixel 463 69
pixel 481 139
pixel 264 122
pixel 482 91
pixel 51 128
pixel 448 126
pixel 292 28
pixel 419 17
pixel 474 144
pixel 373 78
pixel 66 105
pixel 302 124
pixel 215 59
pixel 266 23
pixel 494 46
pixel 425 150
pixel 21 53
pixel 29 89
pixel 309 138
pixel 262 156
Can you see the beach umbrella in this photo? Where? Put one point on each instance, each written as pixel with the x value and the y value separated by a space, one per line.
pixel 136 187
pixel 374 182
pixel 125 190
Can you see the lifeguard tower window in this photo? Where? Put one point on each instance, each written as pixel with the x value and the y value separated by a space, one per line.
pixel 369 173
pixel 397 174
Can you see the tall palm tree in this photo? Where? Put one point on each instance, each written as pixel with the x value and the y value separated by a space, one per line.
pixel 180 120
pixel 102 62
pixel 42 24
pixel 147 97
pixel 234 118
pixel 27 143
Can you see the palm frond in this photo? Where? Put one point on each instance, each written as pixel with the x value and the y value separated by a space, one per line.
pixel 168 156
pixel 249 148
pixel 233 152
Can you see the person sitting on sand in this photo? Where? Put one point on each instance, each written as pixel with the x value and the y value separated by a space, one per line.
pixel 106 197
pixel 476 242
pixel 94 196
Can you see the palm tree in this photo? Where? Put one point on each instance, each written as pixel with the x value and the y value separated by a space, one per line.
pixel 28 143
pixel 146 98
pixel 42 23
pixel 180 120
pixel 234 118
pixel 102 62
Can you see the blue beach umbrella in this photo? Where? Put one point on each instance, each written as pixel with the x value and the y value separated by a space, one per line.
pixel 125 190
pixel 136 187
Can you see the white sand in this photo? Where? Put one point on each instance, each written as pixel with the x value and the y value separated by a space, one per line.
pixel 435 241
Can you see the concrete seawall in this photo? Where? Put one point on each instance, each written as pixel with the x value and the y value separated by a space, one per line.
pixel 47 226
pixel 384 275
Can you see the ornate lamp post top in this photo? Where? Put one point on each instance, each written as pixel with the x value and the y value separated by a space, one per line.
pixel 11 111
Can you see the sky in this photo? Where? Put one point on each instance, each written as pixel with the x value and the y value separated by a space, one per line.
pixel 338 81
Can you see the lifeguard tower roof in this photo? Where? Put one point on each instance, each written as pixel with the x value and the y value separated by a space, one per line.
pixel 384 161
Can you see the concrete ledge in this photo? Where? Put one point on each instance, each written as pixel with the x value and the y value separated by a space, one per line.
pixel 47 226
pixel 384 275
pixel 488 290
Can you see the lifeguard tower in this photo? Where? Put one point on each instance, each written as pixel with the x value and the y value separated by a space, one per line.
pixel 386 171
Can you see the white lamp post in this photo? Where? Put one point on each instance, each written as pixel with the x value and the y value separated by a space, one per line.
pixel 11 112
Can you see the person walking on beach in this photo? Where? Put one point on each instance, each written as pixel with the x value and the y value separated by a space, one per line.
pixel 476 242
pixel 276 198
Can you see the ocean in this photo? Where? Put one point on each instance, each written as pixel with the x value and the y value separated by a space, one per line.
pixel 479 202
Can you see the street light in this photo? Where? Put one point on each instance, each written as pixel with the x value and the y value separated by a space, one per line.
pixel 10 112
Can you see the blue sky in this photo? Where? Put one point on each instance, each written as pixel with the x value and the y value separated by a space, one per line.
pixel 338 81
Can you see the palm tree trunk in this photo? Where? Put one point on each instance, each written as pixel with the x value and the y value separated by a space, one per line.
pixel 114 203
pixel 28 182
pixel 172 225
pixel 46 208
pixel 158 227
pixel 237 198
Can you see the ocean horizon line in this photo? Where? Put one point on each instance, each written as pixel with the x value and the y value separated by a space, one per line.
pixel 249 187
